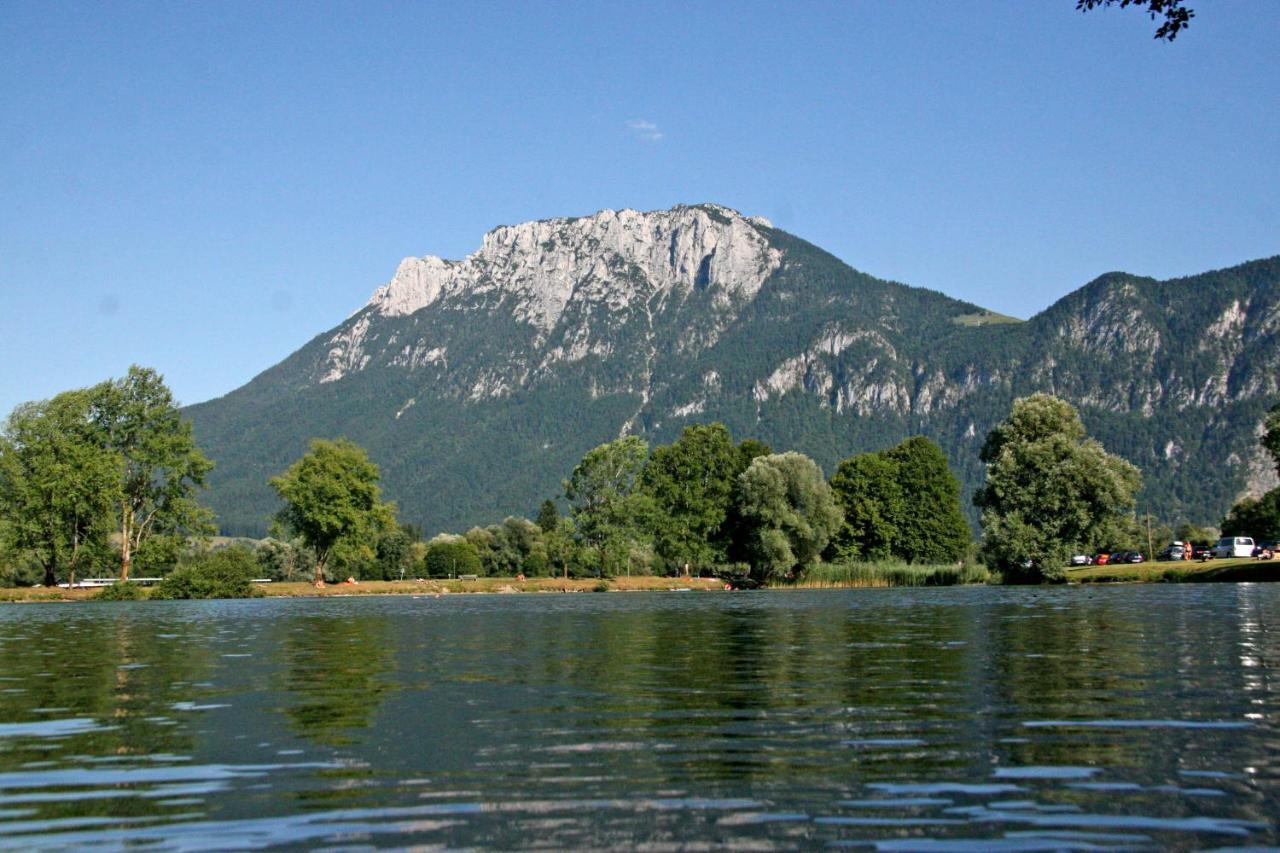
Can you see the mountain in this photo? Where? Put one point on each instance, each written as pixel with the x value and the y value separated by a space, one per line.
pixel 478 384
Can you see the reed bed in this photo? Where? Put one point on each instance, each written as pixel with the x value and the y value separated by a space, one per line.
pixel 888 574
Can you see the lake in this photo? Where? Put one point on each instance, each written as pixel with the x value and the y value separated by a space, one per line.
pixel 977 718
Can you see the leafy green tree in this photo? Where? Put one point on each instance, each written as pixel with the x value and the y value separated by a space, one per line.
pixel 394 554
pixel 280 559
pixel 932 528
pixel 1195 533
pixel 1049 491
pixel 1271 436
pixel 1256 517
pixel 748 450
pixel 332 500
pixel 451 556
pixel 1260 517
pixel 548 516
pixel 902 503
pixel 788 512
pixel 691 482
pixel 735 531
pixel 162 467
pixel 609 513
pixel 871 499
pixel 562 548
pixel 58 485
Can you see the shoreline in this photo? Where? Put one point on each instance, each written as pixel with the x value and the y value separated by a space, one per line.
pixel 1238 570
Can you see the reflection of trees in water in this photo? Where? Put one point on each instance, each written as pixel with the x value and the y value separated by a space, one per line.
pixel 763 692
pixel 123 671
pixel 1178 654
pixel 1056 662
pixel 337 672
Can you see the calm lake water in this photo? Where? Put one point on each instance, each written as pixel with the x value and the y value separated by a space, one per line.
pixel 1134 717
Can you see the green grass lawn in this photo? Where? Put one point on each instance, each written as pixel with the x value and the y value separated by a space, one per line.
pixel 1237 569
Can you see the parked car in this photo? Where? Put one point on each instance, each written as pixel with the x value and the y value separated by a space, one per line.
pixel 1174 551
pixel 1233 546
pixel 1101 559
pixel 1202 552
pixel 1127 557
pixel 1081 560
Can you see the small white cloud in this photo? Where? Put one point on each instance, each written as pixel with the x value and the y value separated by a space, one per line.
pixel 646 130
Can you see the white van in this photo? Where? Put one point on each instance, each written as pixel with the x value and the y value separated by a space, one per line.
pixel 1233 546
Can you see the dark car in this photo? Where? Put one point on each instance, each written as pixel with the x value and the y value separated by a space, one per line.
pixel 1202 552
pixel 1127 557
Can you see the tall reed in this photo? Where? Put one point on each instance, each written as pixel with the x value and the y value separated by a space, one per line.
pixel 885 574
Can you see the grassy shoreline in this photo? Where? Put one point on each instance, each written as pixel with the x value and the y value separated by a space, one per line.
pixel 1237 570
pixel 303 589
pixel 853 576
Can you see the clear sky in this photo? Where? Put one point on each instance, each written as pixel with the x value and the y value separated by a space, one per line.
pixel 203 187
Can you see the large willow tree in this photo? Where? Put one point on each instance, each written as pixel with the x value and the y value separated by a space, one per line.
pixel 1050 490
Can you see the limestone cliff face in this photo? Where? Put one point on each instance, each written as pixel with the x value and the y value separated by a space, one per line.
pixel 606 264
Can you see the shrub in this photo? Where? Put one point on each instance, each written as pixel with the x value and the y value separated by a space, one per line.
pixel 451 558
pixel 121 592
pixel 223 573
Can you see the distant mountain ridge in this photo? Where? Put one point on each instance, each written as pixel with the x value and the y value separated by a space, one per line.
pixel 478 384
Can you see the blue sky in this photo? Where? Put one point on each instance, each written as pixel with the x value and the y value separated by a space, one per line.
pixel 202 188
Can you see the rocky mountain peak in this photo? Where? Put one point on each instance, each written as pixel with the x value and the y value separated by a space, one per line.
pixel 611 256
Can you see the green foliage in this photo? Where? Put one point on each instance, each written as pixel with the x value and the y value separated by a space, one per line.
pixel 451 557
pixel 1050 491
pixel 284 560
pixel 1255 517
pixel 220 573
pixel 138 421
pixel 517 546
pixel 332 501
pixel 892 573
pixel 58 484
pixel 902 503
pixel 1195 533
pixel 692 482
pixel 394 555
pixel 871 499
pixel 548 516
pixel 608 511
pixel 788 514
pixel 1271 435
pixel 121 591
pixel 932 529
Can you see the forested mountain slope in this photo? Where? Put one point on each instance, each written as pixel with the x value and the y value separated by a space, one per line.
pixel 478 384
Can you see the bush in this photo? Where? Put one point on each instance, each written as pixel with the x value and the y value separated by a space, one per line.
pixel 223 573
pixel 451 558
pixel 121 592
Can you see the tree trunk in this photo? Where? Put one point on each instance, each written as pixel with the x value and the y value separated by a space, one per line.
pixel 126 543
pixel 50 578
pixel 321 559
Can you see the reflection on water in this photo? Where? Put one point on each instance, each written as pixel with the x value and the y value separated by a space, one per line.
pixel 1024 719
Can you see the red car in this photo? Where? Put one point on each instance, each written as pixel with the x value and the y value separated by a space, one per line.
pixel 1102 559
